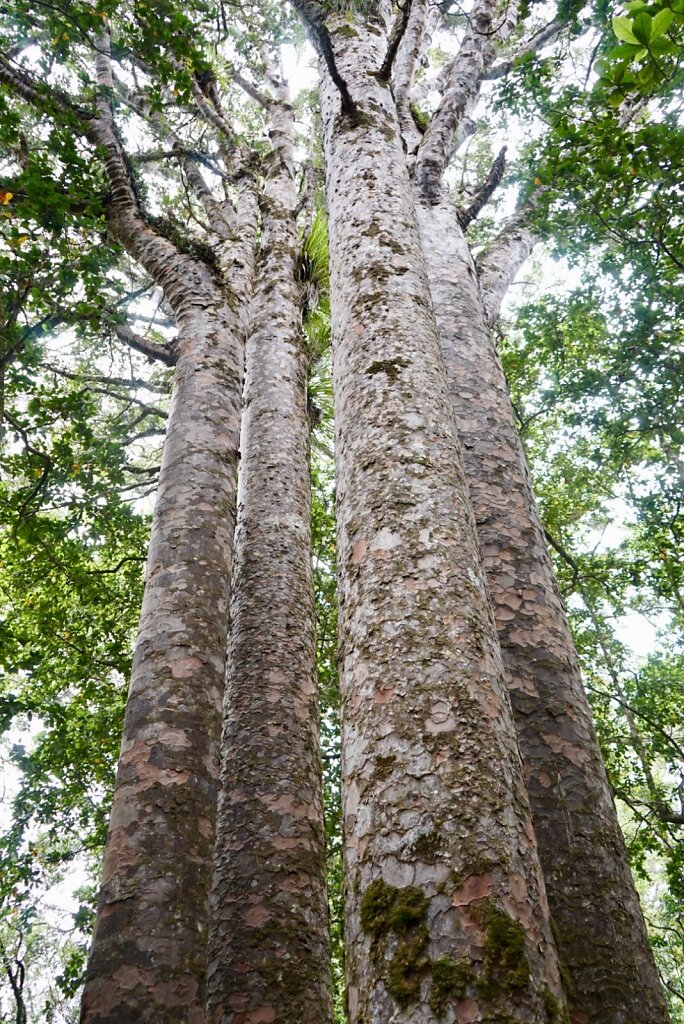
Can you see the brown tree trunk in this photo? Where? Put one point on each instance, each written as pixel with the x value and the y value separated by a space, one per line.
pixel 446 913
pixel 147 960
pixel 269 949
pixel 595 909
pixel 148 956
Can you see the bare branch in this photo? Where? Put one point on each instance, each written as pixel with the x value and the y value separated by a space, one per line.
pixel 485 191
pixel 151 349
pixel 396 35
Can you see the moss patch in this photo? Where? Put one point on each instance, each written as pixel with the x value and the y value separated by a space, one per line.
pixel 450 980
pixel 420 118
pixel 506 967
pixel 406 968
pixel 552 1008
pixel 392 367
pixel 386 909
pixel 384 765
pixel 428 846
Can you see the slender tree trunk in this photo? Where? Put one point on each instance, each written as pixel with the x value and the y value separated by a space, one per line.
pixel 598 921
pixel 446 913
pixel 269 948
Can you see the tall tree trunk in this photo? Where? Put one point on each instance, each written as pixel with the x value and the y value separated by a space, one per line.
pixel 147 960
pixel 595 909
pixel 269 948
pixel 446 912
pixel 148 956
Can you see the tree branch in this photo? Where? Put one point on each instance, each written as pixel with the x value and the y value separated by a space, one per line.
pixel 37 93
pixel 498 266
pixel 151 349
pixel 485 191
pixel 314 17
pixel 462 84
pixel 396 35
pixel 251 90
pixel 529 48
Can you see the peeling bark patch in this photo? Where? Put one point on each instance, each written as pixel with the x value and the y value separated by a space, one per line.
pixel 386 541
pixel 392 367
pixel 467 1011
pixel 567 749
pixel 475 887
pixel 185 668
pixel 358 551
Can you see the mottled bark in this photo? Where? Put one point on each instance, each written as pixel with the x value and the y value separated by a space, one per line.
pixel 413 47
pixel 148 956
pixel 487 25
pixel 268 950
pixel 446 912
pixel 595 909
pixel 499 266
pixel 147 961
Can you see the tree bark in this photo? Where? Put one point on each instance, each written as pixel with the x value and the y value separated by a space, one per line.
pixel 595 909
pixel 446 912
pixel 269 948
pixel 147 960
pixel 148 956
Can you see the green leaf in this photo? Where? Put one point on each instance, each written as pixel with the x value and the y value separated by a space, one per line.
pixel 622 27
pixel 641 27
pixel 661 23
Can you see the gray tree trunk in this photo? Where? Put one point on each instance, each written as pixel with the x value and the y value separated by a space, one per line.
pixel 446 912
pixel 598 922
pixel 269 949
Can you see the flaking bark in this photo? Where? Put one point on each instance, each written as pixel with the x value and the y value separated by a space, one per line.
pixel 148 956
pixel 269 950
pixel 147 960
pixel 440 853
pixel 598 921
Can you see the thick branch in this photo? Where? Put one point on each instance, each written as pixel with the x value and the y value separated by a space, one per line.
pixel 251 90
pixel 485 191
pixel 210 114
pixel 35 92
pixel 164 353
pixel 533 45
pixel 221 215
pixel 499 265
pixel 314 17
pixel 463 80
pixel 396 35
pixel 411 53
